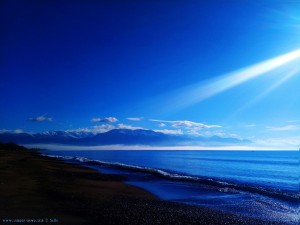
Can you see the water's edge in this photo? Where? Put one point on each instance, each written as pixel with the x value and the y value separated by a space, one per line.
pixel 219 185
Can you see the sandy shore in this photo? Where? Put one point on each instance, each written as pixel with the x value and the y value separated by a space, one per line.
pixel 39 189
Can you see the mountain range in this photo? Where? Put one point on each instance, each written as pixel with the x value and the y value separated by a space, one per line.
pixel 113 137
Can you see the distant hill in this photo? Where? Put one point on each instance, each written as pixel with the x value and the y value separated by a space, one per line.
pixel 11 146
pixel 115 136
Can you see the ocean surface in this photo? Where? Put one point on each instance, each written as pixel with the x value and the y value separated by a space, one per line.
pixel 260 184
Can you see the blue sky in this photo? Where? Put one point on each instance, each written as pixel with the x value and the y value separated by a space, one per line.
pixel 68 65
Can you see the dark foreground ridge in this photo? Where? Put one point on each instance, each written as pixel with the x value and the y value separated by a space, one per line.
pixel 40 189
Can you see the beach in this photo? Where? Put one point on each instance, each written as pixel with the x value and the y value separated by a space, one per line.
pixel 38 189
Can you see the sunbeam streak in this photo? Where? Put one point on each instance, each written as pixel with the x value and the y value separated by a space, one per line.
pixel 288 76
pixel 197 93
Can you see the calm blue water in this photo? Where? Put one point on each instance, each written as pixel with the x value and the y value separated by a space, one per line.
pixel 263 184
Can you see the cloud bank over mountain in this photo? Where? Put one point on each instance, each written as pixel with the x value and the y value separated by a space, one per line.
pixel 116 136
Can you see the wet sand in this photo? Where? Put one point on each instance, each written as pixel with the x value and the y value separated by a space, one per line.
pixel 36 190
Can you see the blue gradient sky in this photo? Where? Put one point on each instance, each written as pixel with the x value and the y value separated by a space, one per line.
pixel 68 62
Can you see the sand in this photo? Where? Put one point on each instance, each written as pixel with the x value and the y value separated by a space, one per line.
pixel 35 189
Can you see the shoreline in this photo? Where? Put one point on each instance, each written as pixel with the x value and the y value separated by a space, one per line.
pixel 40 187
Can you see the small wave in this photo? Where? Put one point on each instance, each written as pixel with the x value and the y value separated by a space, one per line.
pixel 228 190
pixel 223 186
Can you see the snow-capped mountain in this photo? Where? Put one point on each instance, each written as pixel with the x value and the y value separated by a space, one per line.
pixel 115 136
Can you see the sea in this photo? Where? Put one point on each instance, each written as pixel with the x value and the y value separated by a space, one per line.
pixel 259 184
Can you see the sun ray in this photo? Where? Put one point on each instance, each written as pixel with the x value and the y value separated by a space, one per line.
pixel 199 92
pixel 249 104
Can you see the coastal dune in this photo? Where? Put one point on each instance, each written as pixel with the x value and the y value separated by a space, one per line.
pixel 38 189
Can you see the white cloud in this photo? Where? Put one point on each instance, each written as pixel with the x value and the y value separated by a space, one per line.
pixel 286 143
pixel 104 120
pixel 186 124
pixel 40 119
pixel 284 128
pixel 105 127
pixel 135 118
pixel 207 133
pixel 195 132
pixel 162 125
pixel 224 134
pixel 129 127
pixel 95 120
pixel 166 131
pixel 17 131
pixel 95 129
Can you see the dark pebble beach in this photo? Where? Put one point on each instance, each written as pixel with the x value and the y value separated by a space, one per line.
pixel 35 189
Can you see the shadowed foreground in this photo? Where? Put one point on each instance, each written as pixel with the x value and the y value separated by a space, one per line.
pixel 51 191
